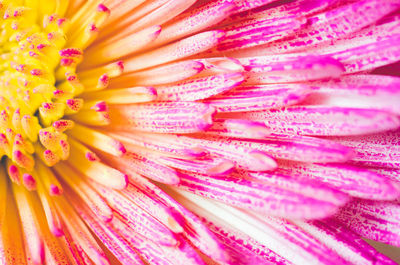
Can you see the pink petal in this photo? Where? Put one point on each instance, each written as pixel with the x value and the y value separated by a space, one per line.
pixel 166 117
pixel 370 56
pixel 335 23
pixel 344 242
pixel 360 91
pixel 159 211
pixel 200 88
pixel 254 98
pixel 355 181
pixel 170 146
pixel 210 166
pixel 194 230
pixel 159 75
pixel 306 187
pixel 278 235
pixel 134 163
pixel 182 255
pixel 258 31
pixel 325 121
pixel 114 241
pixel 242 248
pixel 290 68
pixel 248 158
pixel 238 129
pixel 378 221
pixel 178 50
pixel 379 150
pixel 137 218
pixel 285 9
pixel 244 5
pixel 296 148
pixel 195 20
pixel 256 196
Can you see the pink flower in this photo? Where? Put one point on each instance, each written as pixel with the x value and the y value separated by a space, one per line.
pixel 199 132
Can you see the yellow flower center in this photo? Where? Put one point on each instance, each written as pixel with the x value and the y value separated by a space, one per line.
pixel 38 79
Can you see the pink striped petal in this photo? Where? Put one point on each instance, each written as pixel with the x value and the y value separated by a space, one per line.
pixel 218 65
pixel 355 181
pixel 297 148
pixel 159 211
pixel 148 250
pixel 254 98
pixel 137 218
pixel 305 242
pixel 256 196
pixel 335 23
pixel 166 117
pixel 242 248
pixel 258 31
pixel 146 167
pixel 290 68
pixel 306 187
pixel 325 121
pixel 169 73
pixel 378 150
pixel 382 30
pixel 147 14
pixel 278 235
pixel 170 146
pixel 392 174
pixel 114 241
pixel 248 158
pixel 360 91
pixel 238 129
pixel 244 5
pixel 182 255
pixel 93 201
pixel 208 166
pixel 200 88
pixel 194 230
pixel 344 242
pixel 284 9
pixel 370 56
pixel 195 20
pixel 178 50
pixel 379 221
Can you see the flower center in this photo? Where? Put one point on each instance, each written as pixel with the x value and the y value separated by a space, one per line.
pixel 38 83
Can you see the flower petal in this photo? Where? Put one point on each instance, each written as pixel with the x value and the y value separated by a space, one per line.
pixel 377 150
pixel 172 52
pixel 200 88
pixel 159 75
pixel 271 200
pixel 296 148
pixel 335 23
pixel 378 221
pixel 290 68
pixel 166 117
pixel 324 120
pixel 359 91
pixel 344 242
pixel 278 235
pixel 355 181
pixel 260 97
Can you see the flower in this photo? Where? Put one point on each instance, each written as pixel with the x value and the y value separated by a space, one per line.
pixel 199 132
